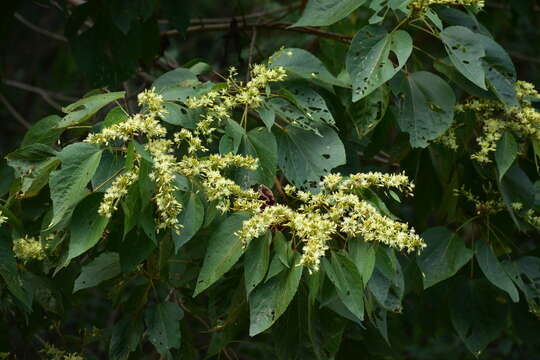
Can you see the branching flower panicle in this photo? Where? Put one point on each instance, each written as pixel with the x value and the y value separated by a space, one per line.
pixel 497 118
pixel 29 248
pixel 118 189
pixel 3 219
pixel 337 209
pixel 421 4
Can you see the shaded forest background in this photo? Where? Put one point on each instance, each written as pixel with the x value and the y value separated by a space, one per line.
pixel 55 51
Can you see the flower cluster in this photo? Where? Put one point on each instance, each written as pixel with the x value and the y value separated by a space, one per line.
pixel 420 4
pixel 163 149
pixel 220 103
pixel 483 207
pixel 529 215
pixel 29 248
pixel 118 189
pixel 337 209
pixel 496 118
pixel 54 353
pixel 3 219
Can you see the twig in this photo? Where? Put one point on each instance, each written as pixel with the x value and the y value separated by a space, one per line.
pixel 46 95
pixel 14 112
pixel 240 19
pixel 38 29
pixel 283 26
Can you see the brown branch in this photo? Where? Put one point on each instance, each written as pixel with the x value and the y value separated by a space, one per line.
pixel 48 96
pixel 38 29
pixel 241 19
pixel 14 112
pixel 283 26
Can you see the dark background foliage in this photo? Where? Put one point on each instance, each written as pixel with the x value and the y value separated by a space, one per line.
pixel 52 51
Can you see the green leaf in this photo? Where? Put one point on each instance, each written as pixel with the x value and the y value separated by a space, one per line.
pixel 84 108
pixel 465 52
pixel 344 274
pixel 102 268
pixel 110 166
pixel 368 59
pixel 476 317
pixel 493 270
pixel 426 109
pixel 179 115
pixel 163 324
pixel 9 272
pixel 224 250
pixel 268 116
pixel 363 256
pixel 177 77
pixel 444 255
pixel 126 336
pixel 387 283
pixel 500 71
pixel 302 107
pixel 44 131
pixel 68 185
pixel 270 300
pixel 326 12
pixel 368 112
pixel 260 144
pixel 304 156
pixel 303 64
pixel 256 261
pixel 506 153
pixel 33 164
pixel 191 217
pixel 86 228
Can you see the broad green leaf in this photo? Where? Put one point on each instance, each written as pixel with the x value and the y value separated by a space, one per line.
pixel 363 256
pixel 444 255
pixel 493 270
pixel 303 64
pixel 327 12
pixel 33 164
pixel 368 60
pixel 525 273
pixel 270 300
pixel 68 184
pixel 261 144
pixel 426 109
pixel 500 71
pixel 86 228
pixel 9 272
pixel 465 52
pixel 110 166
pixel 302 107
pixel 115 116
pixel 224 250
pixel 304 156
pixel 163 324
pixel 191 218
pixel 387 283
pixel 283 249
pixel 256 260
pixel 179 115
pixel 446 67
pixel 383 7
pixel 44 131
pixel 102 268
pixel 506 153
pixel 176 77
pixel 126 336
pixel 476 317
pixel 84 108
pixel 368 112
pixel 267 115
pixel 344 274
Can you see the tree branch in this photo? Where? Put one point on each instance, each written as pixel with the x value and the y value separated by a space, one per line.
pixel 48 96
pixel 283 26
pixel 38 29
pixel 14 112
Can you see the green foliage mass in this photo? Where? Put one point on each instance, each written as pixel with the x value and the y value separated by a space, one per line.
pixel 124 236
